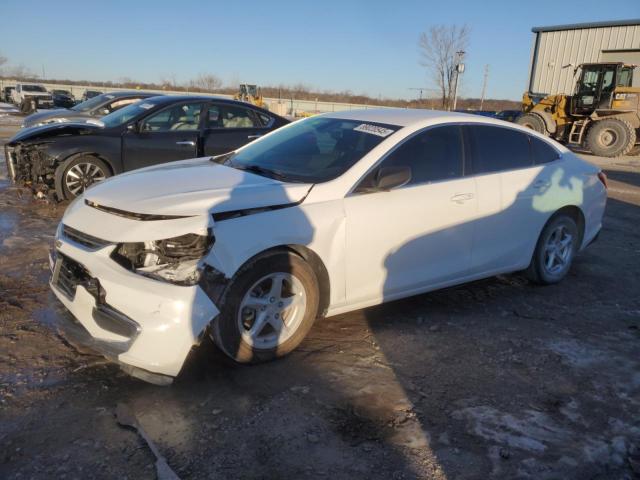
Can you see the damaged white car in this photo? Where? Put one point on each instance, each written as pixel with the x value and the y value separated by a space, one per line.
pixel 329 214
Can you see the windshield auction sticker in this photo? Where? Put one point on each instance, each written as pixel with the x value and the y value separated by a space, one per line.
pixel 146 106
pixel 374 130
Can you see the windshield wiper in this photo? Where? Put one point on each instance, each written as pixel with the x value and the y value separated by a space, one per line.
pixel 267 172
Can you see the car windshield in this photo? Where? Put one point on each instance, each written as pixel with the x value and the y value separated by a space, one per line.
pixel 33 88
pixel 93 102
pixel 123 115
pixel 312 151
pixel 61 92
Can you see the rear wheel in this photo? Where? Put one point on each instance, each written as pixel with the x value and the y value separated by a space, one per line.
pixel 532 121
pixel 555 250
pixel 77 175
pixel 611 137
pixel 268 310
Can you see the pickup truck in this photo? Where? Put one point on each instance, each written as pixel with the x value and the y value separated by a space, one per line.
pixel 25 92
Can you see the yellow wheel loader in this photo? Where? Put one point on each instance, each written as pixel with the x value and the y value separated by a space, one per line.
pixel 250 94
pixel 602 115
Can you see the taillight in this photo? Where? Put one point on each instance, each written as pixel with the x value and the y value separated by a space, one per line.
pixel 603 178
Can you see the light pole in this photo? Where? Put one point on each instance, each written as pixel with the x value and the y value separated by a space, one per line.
pixel 459 68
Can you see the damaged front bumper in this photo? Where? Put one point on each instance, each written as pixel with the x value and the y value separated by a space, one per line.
pixel 145 325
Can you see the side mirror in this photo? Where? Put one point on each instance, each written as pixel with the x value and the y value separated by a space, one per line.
pixel 389 178
pixel 133 127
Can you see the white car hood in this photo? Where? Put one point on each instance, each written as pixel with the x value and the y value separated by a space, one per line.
pixel 192 187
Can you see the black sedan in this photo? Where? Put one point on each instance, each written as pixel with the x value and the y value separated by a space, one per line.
pixel 63 98
pixel 95 107
pixel 65 158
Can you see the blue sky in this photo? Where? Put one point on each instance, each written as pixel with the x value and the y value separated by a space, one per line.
pixel 363 46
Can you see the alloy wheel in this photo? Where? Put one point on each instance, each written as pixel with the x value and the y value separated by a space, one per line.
pixel 558 250
pixel 82 175
pixel 272 310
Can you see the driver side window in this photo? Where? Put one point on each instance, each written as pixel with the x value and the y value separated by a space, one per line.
pixel 433 155
pixel 180 117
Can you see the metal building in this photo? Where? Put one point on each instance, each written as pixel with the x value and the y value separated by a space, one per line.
pixel 558 49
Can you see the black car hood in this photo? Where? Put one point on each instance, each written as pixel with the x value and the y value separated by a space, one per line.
pixel 55 130
pixel 57 113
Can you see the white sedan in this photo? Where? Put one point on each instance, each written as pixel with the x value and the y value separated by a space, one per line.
pixel 329 214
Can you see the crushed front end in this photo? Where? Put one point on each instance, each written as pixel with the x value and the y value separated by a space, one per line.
pixel 138 303
pixel 29 164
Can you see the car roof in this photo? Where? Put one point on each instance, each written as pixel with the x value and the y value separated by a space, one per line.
pixel 129 93
pixel 403 117
pixel 162 99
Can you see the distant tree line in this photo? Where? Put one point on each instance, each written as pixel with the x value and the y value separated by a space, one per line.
pixel 210 83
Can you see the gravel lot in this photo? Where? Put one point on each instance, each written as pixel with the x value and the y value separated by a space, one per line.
pixel 496 379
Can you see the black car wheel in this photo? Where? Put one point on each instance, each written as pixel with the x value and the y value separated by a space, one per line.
pixel 79 173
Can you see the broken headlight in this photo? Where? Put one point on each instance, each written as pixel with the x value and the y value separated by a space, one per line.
pixel 175 260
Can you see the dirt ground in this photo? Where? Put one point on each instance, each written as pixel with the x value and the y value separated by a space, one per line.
pixel 496 379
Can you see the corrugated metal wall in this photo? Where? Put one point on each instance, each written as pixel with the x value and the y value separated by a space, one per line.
pixel 557 48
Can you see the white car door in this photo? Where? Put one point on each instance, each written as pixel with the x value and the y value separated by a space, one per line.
pixel 508 182
pixel 419 235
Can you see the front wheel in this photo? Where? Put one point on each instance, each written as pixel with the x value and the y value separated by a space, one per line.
pixel 555 250
pixel 78 174
pixel 269 308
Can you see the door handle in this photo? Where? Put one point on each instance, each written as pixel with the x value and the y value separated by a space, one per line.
pixel 460 198
pixel 253 137
pixel 191 143
pixel 541 184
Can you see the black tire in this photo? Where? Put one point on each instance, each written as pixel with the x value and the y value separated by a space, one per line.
pixel 538 270
pixel 94 169
pixel 612 137
pixel 226 329
pixel 533 121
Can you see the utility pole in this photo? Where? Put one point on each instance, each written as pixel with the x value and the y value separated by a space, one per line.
pixel 459 68
pixel 484 85
pixel 43 71
pixel 420 89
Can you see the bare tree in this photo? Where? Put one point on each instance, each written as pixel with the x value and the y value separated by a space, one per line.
pixel 168 81
pixel 20 72
pixel 207 82
pixel 438 47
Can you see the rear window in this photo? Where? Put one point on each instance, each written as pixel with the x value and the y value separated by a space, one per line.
pixel 542 152
pixel 33 88
pixel 496 149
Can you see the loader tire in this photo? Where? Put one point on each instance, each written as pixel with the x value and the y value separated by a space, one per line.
pixel 534 122
pixel 612 137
